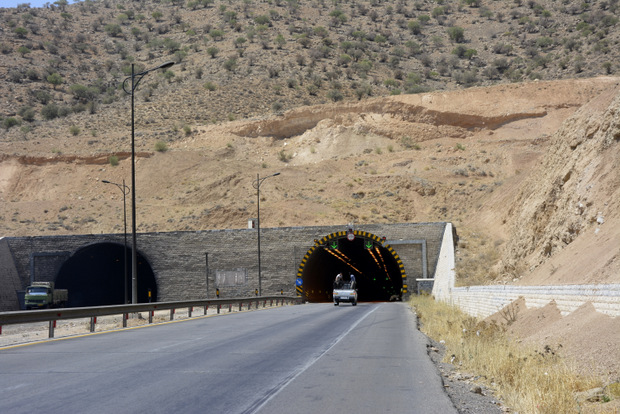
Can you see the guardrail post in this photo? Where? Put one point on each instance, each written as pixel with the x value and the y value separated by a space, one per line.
pixel 240 306
pixel 51 330
pixel 93 322
pixel 125 317
pixel 249 305
pixel 206 308
pixel 218 308
pixel 171 314
pixel 151 313
pixel 189 311
pixel 229 307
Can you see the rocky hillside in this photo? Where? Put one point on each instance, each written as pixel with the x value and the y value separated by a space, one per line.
pixel 362 106
pixel 569 210
pixel 240 59
pixel 487 159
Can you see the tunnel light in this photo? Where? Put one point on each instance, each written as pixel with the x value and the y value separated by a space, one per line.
pixel 343 258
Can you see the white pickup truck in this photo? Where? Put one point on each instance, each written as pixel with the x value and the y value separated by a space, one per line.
pixel 345 293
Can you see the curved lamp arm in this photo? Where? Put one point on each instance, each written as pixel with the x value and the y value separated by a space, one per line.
pixel 134 84
pixel 256 183
pixel 124 188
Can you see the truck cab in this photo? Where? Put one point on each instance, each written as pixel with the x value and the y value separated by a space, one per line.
pixel 38 297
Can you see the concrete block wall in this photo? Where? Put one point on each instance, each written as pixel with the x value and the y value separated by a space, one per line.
pixel 445 274
pixel 182 261
pixel 483 301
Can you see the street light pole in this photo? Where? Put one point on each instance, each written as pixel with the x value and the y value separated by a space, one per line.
pixel 134 256
pixel 256 184
pixel 125 190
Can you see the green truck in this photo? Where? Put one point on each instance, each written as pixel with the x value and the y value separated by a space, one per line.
pixel 41 295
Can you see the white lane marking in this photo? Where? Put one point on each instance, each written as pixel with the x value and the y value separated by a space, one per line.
pixel 16 386
pixel 276 390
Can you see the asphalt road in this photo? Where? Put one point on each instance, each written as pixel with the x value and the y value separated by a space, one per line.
pixel 299 359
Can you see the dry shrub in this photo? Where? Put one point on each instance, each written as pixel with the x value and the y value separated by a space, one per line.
pixel 526 380
pixel 475 267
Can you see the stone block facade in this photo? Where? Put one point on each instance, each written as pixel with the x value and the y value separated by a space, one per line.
pixel 186 264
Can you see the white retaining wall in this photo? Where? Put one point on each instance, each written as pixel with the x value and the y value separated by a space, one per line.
pixel 483 301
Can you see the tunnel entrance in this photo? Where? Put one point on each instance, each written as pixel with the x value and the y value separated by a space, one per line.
pixel 377 268
pixel 95 276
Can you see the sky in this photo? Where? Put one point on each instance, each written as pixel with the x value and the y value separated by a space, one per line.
pixel 33 3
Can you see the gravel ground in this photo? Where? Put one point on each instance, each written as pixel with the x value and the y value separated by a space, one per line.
pixel 467 394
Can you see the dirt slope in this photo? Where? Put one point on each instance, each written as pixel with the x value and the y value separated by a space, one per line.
pixel 572 203
pixel 528 173
pixel 487 159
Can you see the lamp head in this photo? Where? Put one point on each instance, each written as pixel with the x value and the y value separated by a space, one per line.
pixel 165 65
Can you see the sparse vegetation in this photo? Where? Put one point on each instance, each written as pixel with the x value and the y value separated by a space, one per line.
pixel 530 380
pixel 242 38
pixel 284 156
pixel 10 122
pixel 55 79
pixel 49 111
pixel 210 86
pixel 408 143
pixel 161 146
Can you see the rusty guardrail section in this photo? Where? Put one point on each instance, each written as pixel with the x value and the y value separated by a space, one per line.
pixel 53 315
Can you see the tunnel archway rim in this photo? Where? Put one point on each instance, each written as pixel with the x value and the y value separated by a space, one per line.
pixel 357 233
pixel 75 253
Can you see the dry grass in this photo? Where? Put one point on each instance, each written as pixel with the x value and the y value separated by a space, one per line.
pixel 527 380
pixel 476 259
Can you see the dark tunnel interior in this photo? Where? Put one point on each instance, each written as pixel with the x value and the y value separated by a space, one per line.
pixel 94 276
pixel 375 269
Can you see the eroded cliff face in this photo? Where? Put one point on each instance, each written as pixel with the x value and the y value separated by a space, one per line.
pixel 570 205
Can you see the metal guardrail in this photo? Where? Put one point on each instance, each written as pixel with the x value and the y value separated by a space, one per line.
pixel 53 315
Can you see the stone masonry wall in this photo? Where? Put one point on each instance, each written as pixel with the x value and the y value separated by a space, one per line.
pixel 179 259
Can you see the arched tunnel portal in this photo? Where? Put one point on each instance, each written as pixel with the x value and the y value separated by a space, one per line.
pixel 378 270
pixel 94 275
